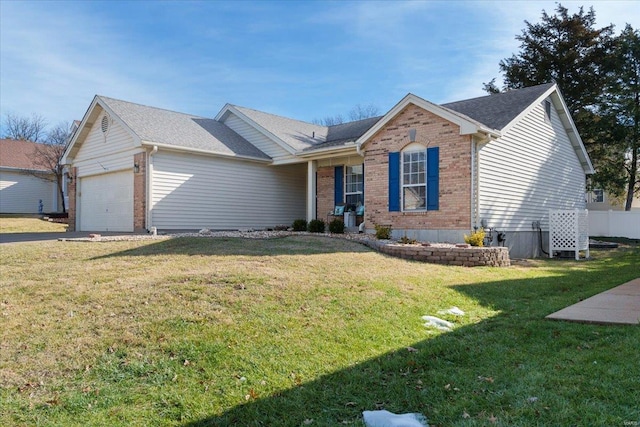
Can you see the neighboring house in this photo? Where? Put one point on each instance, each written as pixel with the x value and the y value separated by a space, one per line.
pixel 600 200
pixel 25 188
pixel 431 172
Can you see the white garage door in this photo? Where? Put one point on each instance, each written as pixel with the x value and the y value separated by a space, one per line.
pixel 106 202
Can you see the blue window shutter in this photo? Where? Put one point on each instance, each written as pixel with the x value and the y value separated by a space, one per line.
pixel 394 182
pixel 338 189
pixel 433 178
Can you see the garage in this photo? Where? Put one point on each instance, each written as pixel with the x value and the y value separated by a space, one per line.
pixel 106 202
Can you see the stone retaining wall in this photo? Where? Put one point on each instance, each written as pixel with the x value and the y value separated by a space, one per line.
pixel 452 255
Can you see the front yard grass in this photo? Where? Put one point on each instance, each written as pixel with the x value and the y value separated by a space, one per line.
pixel 303 330
pixel 28 224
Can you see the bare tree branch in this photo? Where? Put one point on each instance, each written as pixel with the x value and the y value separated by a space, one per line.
pixel 25 128
pixel 360 112
pixel 47 157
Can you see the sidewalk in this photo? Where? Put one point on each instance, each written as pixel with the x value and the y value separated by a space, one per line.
pixel 620 305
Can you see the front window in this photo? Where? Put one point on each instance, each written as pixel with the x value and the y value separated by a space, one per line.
pixel 354 185
pixel 597 196
pixel 414 183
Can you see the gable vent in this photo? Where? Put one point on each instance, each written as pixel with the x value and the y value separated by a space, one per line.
pixel 105 124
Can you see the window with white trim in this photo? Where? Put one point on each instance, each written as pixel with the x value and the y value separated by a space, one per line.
pixel 414 180
pixel 597 196
pixel 354 184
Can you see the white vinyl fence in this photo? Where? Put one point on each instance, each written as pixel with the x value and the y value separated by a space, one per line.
pixel 615 224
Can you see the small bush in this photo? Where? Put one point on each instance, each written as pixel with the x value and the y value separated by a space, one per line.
pixel 476 238
pixel 383 232
pixel 299 225
pixel 336 226
pixel 316 226
pixel 407 241
pixel 281 227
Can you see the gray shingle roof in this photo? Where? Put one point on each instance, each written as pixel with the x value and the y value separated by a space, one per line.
pixel 497 111
pixel 346 132
pixel 297 134
pixel 160 126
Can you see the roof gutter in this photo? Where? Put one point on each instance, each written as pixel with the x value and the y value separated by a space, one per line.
pixel 156 145
pixel 328 152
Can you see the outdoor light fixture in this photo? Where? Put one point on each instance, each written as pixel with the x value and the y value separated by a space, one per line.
pixel 69 179
pixel 136 168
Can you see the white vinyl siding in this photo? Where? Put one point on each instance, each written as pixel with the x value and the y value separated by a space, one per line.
pixel 194 192
pixel 106 202
pixel 527 171
pixel 21 193
pixel 256 138
pixel 100 154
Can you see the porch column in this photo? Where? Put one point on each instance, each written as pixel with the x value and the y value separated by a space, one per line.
pixel 312 168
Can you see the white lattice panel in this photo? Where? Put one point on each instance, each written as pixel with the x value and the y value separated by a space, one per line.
pixel 569 231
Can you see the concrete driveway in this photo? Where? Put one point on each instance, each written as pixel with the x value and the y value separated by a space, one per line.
pixel 44 237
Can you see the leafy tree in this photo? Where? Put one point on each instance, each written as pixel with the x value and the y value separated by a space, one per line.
pixel 24 128
pixel 564 48
pixel 491 88
pixel 620 111
pixel 570 50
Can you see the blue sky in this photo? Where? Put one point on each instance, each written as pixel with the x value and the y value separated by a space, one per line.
pixel 305 60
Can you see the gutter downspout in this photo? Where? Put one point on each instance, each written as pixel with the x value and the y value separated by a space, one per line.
pixel 153 151
pixel 474 186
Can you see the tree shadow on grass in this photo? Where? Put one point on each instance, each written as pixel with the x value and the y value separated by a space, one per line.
pixel 289 245
pixel 514 368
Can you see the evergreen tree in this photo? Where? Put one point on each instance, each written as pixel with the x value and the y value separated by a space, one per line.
pixel 620 112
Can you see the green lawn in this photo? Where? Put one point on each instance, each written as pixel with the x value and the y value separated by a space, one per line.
pixel 28 224
pixel 303 330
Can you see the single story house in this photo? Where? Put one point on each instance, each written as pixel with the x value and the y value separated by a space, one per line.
pixel 431 172
pixel 26 187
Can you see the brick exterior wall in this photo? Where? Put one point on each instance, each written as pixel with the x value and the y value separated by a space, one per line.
pixel 71 192
pixel 140 192
pixel 454 211
pixel 325 191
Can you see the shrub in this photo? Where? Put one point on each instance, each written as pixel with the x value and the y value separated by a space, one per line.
pixel 476 238
pixel 299 225
pixel 336 226
pixel 407 241
pixel 316 226
pixel 281 227
pixel 383 232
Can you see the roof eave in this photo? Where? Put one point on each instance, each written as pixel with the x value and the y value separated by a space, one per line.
pixel 208 152
pixel 328 151
pixel 567 121
pixel 85 127
pixel 467 126
pixel 25 170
